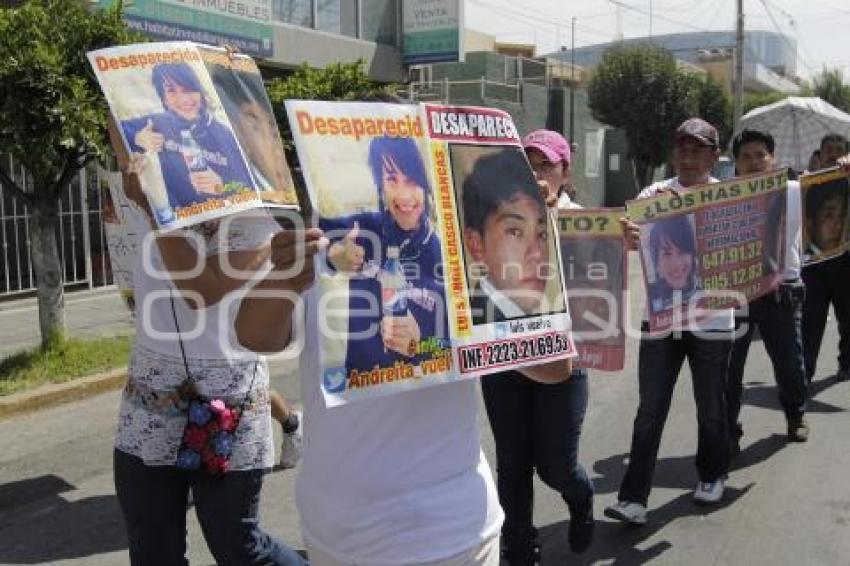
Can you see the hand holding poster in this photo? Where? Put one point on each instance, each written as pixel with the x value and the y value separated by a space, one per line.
pixel 596 268
pixel 190 164
pixel 825 198
pixel 711 247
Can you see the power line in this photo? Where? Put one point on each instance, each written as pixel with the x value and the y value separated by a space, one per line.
pixel 540 20
pixel 785 37
pixel 660 17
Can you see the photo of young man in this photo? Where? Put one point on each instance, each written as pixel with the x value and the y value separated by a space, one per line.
pixel 507 237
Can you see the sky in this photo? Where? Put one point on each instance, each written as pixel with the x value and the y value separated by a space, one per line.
pixel 819 26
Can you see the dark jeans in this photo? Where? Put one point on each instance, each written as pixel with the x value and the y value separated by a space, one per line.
pixel 658 368
pixel 781 330
pixel 826 282
pixel 153 500
pixel 535 425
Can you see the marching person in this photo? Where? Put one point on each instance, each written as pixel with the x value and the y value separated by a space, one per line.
pixel 391 480
pixel 778 315
pixel 826 283
pixel 536 425
pixel 705 344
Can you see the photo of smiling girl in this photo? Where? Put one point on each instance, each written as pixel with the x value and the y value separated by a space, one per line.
pixel 672 256
pixel 198 155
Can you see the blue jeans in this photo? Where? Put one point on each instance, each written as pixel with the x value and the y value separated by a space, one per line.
pixel 826 282
pixel 660 360
pixel 781 330
pixel 536 426
pixel 153 500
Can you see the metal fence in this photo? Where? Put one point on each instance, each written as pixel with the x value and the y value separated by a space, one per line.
pixel 80 234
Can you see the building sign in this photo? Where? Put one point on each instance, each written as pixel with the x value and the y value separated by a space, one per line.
pixel 241 23
pixel 433 31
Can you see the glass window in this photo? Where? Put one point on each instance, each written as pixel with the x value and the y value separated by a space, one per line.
pixel 338 16
pixel 297 12
pixel 380 21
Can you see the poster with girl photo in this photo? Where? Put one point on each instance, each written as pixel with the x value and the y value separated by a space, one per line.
pixel 190 164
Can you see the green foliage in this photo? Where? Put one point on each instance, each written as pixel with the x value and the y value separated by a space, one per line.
pixel 714 105
pixel 757 99
pixel 52 115
pixel 337 81
pixel 62 360
pixel 641 90
pixel 830 86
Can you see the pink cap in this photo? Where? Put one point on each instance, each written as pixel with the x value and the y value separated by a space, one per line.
pixel 551 144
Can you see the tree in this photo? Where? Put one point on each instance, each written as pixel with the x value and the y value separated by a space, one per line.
pixel 641 90
pixel 830 86
pixel 714 105
pixel 52 120
pixel 757 99
pixel 337 81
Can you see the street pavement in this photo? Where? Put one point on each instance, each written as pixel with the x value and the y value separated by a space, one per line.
pixel 785 503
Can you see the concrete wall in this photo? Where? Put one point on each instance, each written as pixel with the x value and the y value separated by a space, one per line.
pixel 294 45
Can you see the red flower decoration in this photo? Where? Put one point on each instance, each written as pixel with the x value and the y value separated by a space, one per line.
pixel 213 427
pixel 216 464
pixel 195 438
pixel 228 419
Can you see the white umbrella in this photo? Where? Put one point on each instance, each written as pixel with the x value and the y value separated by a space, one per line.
pixel 798 125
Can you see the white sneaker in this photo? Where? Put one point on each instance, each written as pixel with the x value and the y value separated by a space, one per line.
pixel 290 449
pixel 709 491
pixel 628 512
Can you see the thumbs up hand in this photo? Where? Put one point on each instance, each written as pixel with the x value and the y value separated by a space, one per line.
pixel 347 255
pixel 148 139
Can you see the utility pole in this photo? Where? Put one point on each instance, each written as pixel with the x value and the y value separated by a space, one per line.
pixel 572 78
pixel 739 68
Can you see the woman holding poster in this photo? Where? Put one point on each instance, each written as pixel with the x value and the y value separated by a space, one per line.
pixel 397 258
pixel 198 155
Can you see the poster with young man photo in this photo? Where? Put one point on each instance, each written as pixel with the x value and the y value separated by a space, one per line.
pixel 509 308
pixel 826 215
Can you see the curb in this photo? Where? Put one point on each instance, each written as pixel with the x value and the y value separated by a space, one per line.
pixel 54 394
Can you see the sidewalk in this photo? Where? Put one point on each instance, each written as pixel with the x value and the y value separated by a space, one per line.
pixel 88 314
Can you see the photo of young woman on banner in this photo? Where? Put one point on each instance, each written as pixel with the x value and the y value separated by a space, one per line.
pixel 366 171
pixel 711 248
pixel 191 165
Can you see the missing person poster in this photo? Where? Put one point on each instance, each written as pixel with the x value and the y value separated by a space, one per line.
pixel 240 88
pixel 125 227
pixel 825 198
pixel 595 268
pixel 174 126
pixel 507 305
pixel 711 247
pixel 382 295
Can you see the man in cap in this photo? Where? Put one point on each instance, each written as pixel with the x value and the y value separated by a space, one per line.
pixel 706 344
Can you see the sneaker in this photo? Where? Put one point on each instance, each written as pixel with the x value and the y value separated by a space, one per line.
pixel 628 512
pixel 581 526
pixel 290 450
pixel 798 429
pixel 708 492
pixel 532 560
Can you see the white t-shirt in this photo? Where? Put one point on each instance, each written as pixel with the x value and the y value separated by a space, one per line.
pixel 793 230
pixel 565 202
pixel 723 319
pixel 394 480
pixel 150 423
